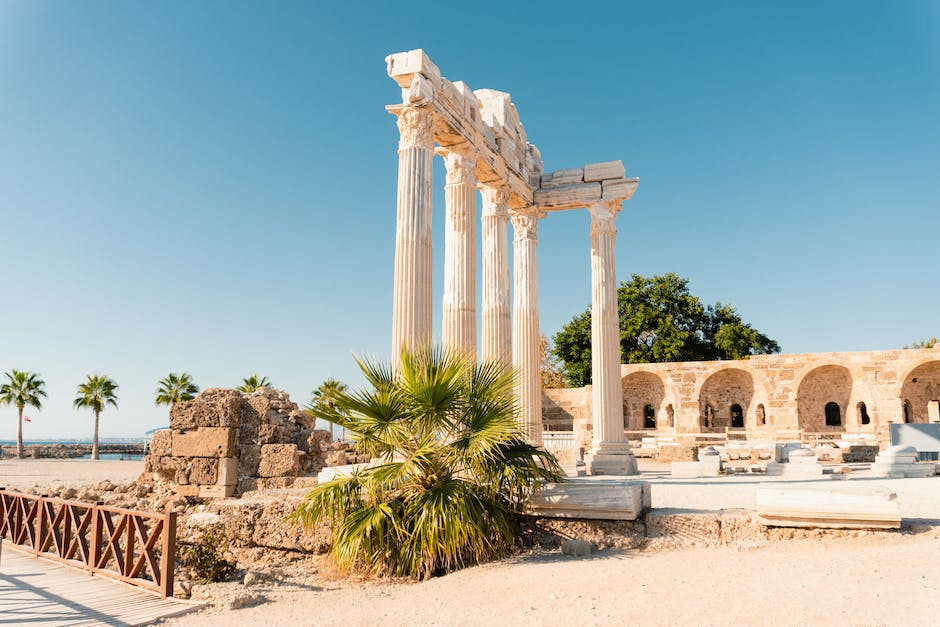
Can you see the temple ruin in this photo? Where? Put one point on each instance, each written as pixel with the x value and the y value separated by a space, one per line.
pixel 484 146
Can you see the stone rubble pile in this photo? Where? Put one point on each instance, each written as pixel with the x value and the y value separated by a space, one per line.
pixel 225 442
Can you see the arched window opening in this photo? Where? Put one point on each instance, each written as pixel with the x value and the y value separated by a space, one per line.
pixel 833 415
pixel 649 417
pixel 907 411
pixel 709 416
pixel 761 415
pixel 737 416
pixel 863 417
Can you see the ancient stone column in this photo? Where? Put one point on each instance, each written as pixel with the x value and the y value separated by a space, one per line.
pixel 525 324
pixel 610 453
pixel 459 324
pixel 411 309
pixel 497 329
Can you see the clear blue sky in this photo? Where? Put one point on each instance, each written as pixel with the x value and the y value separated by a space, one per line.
pixel 210 186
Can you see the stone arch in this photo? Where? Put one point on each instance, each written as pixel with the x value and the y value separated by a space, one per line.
pixel 920 388
pixel 639 390
pixel 818 388
pixel 723 390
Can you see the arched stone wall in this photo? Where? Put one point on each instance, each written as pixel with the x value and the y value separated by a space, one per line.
pixel 639 390
pixel 920 387
pixel 722 390
pixel 820 386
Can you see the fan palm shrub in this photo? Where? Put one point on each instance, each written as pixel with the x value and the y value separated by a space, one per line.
pixel 22 388
pixel 252 383
pixel 175 388
pixel 452 468
pixel 97 392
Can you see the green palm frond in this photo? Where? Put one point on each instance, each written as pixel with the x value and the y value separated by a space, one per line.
pixel 176 388
pixel 253 383
pixel 95 393
pixel 22 389
pixel 452 467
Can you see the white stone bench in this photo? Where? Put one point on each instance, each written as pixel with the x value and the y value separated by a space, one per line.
pixel 843 507
pixel 601 498
pixel 332 472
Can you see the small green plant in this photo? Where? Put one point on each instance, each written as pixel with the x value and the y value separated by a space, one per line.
pixel 206 558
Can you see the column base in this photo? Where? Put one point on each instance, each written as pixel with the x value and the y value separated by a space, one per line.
pixel 611 458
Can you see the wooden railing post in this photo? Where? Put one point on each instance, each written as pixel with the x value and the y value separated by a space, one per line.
pixel 168 561
pixel 95 547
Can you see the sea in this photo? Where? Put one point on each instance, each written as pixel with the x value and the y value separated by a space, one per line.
pixel 101 441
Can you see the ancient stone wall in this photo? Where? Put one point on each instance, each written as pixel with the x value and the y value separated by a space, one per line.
pixel 226 442
pixel 864 391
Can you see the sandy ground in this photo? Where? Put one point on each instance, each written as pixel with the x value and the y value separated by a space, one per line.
pixel 840 581
pixel 20 474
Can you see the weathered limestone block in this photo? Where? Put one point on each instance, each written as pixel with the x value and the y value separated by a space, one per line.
pixel 161 443
pixel 694 470
pixel 332 472
pixel 249 459
pixel 623 188
pixel 205 442
pixel 270 433
pixel 803 464
pixel 568 194
pixel 551 180
pixel 203 470
pixel 604 171
pixel 594 498
pixel 215 407
pixel 228 471
pixel 278 460
pixel 857 507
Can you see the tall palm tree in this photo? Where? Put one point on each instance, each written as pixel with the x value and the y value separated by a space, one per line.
pixel 328 394
pixel 96 393
pixel 175 388
pixel 252 383
pixel 454 469
pixel 22 388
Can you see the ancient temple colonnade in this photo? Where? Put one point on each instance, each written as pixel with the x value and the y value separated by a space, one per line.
pixel 484 146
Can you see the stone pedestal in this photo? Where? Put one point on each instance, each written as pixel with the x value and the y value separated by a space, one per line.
pixel 900 462
pixel 411 308
pixel 496 344
pixel 459 323
pixel 526 357
pixel 802 464
pixel 610 453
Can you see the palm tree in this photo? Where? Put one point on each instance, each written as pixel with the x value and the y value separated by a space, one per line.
pixel 175 388
pixel 453 468
pixel 96 393
pixel 22 388
pixel 252 383
pixel 327 394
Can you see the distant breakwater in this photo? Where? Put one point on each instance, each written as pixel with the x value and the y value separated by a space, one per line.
pixel 130 450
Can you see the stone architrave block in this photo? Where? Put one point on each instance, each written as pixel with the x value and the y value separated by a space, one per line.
pixel 569 194
pixel 604 171
pixel 203 470
pixel 161 444
pixel 559 178
pixel 857 507
pixel 600 499
pixel 205 442
pixel 228 471
pixel 279 460
pixel 623 188
pixel 401 66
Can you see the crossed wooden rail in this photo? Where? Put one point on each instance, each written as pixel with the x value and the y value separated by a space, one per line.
pixel 138 548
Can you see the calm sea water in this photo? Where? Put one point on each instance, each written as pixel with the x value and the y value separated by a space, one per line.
pixel 85 441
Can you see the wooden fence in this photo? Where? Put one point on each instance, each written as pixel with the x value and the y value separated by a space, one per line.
pixel 138 548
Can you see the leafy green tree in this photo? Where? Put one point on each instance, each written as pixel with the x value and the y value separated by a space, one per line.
pixel 550 369
pixel 22 388
pixel 661 321
pixel 97 392
pixel 253 382
pixel 924 343
pixel 327 395
pixel 453 472
pixel 175 388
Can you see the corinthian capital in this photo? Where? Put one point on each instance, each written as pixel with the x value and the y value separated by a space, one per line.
pixel 461 164
pixel 495 200
pixel 525 225
pixel 603 216
pixel 415 125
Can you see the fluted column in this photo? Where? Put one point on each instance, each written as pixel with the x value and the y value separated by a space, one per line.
pixel 459 324
pixel 411 308
pixel 610 453
pixel 525 324
pixel 497 330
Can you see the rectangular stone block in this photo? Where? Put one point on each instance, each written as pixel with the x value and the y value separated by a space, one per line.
pixel 613 190
pixel 203 470
pixel 568 195
pixel 279 460
pixel 228 471
pixel 401 66
pixel 558 178
pixel 604 171
pixel 216 491
pixel 161 444
pixel 205 442
pixel 857 507
pixel 593 498
pixel 248 460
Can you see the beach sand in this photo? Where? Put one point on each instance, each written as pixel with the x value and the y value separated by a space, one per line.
pixel 22 474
